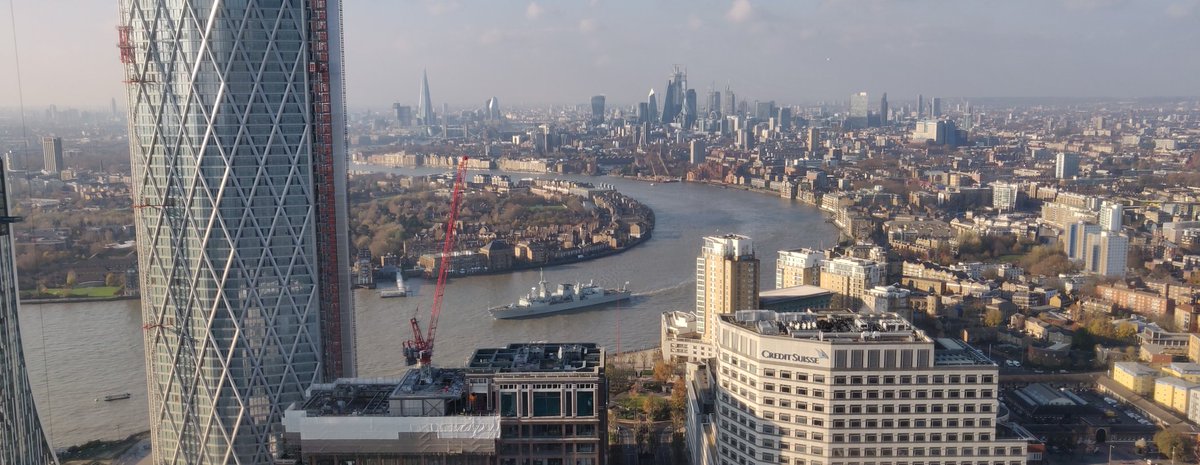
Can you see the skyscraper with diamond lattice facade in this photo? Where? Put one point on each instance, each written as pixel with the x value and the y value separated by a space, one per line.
pixel 237 145
pixel 22 440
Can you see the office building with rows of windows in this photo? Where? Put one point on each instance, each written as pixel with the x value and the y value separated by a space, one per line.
pixel 520 404
pixel 834 387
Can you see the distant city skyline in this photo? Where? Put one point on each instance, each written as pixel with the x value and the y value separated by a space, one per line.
pixel 534 53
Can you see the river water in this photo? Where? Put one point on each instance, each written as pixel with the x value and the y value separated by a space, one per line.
pixel 85 351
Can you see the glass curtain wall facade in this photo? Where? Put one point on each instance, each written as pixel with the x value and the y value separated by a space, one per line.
pixel 22 440
pixel 238 175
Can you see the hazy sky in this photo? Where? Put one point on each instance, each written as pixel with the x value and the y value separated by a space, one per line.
pixel 791 51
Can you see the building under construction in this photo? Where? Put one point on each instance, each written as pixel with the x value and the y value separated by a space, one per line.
pixel 525 403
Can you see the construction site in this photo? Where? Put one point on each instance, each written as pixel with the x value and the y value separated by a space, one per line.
pixel 524 403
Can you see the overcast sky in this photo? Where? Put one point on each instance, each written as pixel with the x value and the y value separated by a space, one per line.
pixel 791 51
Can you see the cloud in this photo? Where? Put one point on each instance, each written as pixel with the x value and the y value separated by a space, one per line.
pixel 438 7
pixel 588 25
pixel 740 12
pixel 694 22
pixel 1091 5
pixel 1179 10
pixel 534 11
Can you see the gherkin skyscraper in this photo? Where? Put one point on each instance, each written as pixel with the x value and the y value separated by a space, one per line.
pixel 237 145
pixel 22 440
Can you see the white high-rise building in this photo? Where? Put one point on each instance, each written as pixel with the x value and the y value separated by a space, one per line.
pixel 1107 253
pixel 238 153
pixel 22 440
pixel 52 155
pixel 1074 239
pixel 1110 216
pixel 860 107
pixel 1004 196
pixel 1066 165
pixel 835 387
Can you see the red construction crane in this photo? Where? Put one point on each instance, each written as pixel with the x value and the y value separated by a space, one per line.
pixel 420 347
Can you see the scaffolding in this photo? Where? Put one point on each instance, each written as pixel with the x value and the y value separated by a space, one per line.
pixel 324 175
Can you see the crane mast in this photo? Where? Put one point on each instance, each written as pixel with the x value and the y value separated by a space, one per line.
pixel 420 348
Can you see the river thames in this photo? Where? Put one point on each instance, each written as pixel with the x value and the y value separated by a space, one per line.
pixel 78 353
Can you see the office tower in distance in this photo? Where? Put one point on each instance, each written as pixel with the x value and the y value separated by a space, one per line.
pixel 849 278
pixel 689 109
pixel 22 440
pixel 404 114
pixel 764 110
pixel 673 101
pixel 1110 216
pixel 783 116
pixel 745 139
pixel 826 388
pixel 493 109
pixel 935 107
pixel 445 117
pixel 920 106
pixel 52 154
pixel 883 110
pixel 651 107
pixel 929 131
pixel 730 107
pixel 425 116
pixel 1066 165
pixel 597 109
pixel 814 139
pixel 714 104
pixel 1004 196
pixel 643 113
pixel 698 151
pixel 238 154
pixel 859 109
pixel 798 267
pixel 726 280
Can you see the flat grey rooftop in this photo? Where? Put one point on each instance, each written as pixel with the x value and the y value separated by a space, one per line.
pixel 538 357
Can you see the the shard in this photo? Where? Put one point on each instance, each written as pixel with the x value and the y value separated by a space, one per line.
pixel 425 116
pixel 22 440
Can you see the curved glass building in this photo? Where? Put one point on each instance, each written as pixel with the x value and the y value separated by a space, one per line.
pixel 22 440
pixel 237 145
